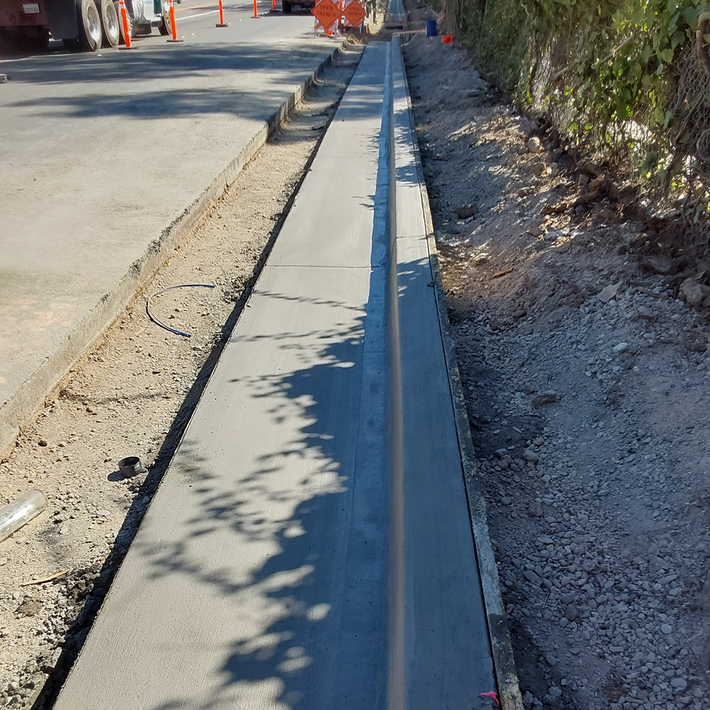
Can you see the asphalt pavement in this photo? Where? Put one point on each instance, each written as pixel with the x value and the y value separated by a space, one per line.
pixel 101 153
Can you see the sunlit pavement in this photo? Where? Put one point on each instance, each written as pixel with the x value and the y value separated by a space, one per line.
pixel 101 152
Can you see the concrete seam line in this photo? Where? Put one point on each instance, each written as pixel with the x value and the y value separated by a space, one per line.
pixel 501 646
pixel 27 401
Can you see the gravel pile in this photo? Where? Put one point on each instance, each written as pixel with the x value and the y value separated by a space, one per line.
pixel 598 519
pixel 74 600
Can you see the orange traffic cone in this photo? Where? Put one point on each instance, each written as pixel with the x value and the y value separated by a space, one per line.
pixel 173 24
pixel 124 24
pixel 221 22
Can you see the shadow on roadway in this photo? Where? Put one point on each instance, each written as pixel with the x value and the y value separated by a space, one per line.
pixel 284 66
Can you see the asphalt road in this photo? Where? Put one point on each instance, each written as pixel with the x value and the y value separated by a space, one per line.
pixel 100 153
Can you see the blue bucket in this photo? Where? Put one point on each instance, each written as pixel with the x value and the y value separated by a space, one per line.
pixel 431 30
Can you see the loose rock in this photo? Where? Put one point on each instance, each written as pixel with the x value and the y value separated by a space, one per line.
pixel 609 292
pixel 546 398
pixel 695 342
pixel 29 607
pixel 532 576
pixel 657 265
pixel 530 455
pixel 693 292
pixel 466 211
pixel 534 145
pixel 535 509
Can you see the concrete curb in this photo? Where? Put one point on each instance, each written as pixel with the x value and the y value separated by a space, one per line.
pixel 396 16
pixel 501 647
pixel 29 398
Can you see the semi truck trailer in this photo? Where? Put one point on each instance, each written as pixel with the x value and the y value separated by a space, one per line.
pixel 85 25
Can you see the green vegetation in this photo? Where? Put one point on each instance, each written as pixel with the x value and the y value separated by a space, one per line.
pixel 615 76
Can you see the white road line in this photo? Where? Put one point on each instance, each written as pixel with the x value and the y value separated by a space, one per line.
pixel 212 12
pixel 52 54
pixel 199 14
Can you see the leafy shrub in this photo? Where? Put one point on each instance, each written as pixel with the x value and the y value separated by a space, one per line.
pixel 626 78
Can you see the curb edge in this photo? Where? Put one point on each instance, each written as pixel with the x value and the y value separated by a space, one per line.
pixel 503 658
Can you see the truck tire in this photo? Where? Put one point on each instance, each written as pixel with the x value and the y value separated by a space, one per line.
pixel 109 24
pixel 286 7
pixel 165 28
pixel 90 34
pixel 122 38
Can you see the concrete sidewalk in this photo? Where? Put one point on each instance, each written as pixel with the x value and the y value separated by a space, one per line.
pixel 106 160
pixel 232 594
pixel 310 545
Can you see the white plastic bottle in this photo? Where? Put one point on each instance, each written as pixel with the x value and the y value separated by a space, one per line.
pixel 18 513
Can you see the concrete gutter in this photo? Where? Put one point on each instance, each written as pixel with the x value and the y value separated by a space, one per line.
pixel 24 404
pixel 396 16
pixel 501 647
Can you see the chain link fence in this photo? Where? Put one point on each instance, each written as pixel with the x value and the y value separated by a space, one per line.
pixel 552 74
